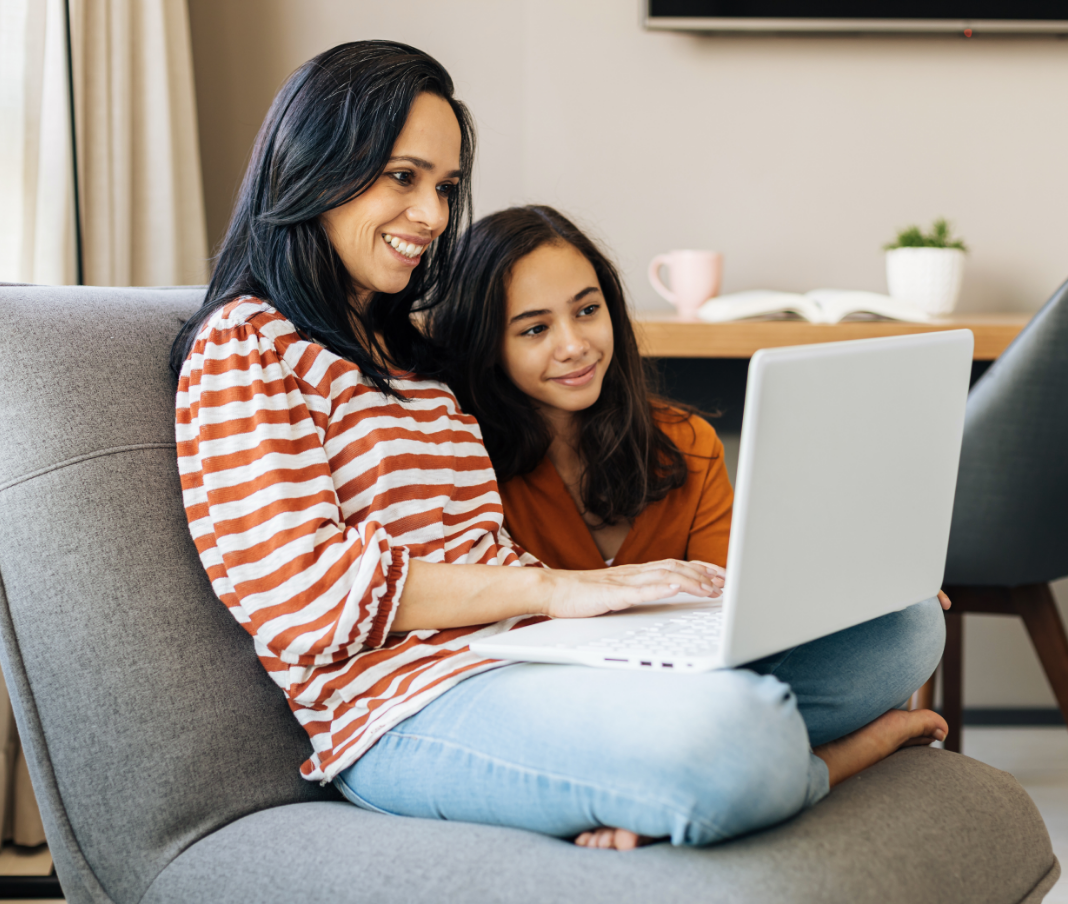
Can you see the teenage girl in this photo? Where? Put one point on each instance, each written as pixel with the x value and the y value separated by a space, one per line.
pixel 347 514
pixel 593 470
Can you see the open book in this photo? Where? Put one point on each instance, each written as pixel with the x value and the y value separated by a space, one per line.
pixel 817 306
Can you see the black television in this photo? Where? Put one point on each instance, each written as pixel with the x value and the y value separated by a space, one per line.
pixel 965 17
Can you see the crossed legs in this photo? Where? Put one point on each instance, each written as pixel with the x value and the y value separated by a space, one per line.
pixel 566 750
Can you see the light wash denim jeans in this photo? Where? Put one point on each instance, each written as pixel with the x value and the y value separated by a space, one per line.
pixel 698 758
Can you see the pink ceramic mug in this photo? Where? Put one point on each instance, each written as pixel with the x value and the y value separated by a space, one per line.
pixel 694 276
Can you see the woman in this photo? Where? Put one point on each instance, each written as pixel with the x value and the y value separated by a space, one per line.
pixel 347 514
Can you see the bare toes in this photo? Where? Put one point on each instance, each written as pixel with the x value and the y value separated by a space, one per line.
pixel 922 726
pixel 595 838
pixel 923 741
pixel 611 839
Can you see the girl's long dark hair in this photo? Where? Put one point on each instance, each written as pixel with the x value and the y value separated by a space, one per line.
pixel 326 139
pixel 629 462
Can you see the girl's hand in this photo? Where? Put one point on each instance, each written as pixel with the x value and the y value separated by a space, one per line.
pixel 581 594
pixel 944 600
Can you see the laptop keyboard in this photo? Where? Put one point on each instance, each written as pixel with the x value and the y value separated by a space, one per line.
pixel 697 633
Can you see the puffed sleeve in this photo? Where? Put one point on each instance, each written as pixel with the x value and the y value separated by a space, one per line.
pixel 522 557
pixel 264 512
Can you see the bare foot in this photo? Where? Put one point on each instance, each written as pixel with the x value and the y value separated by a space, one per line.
pixel 877 740
pixel 612 839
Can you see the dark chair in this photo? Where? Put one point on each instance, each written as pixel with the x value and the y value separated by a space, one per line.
pixel 1009 536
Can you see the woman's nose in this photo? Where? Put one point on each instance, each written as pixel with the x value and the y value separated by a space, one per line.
pixel 430 209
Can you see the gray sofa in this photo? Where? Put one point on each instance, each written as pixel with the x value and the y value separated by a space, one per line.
pixel 165 761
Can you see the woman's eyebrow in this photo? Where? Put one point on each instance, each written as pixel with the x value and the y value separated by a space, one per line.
pixel 422 164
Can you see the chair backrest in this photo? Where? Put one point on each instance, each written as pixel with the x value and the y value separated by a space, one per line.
pixel 146 718
pixel 1010 516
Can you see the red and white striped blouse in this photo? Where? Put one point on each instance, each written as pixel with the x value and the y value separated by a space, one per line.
pixel 308 491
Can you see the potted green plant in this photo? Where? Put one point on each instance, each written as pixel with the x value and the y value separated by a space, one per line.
pixel 926 269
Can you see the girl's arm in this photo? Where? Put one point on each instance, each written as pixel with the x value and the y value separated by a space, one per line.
pixel 711 526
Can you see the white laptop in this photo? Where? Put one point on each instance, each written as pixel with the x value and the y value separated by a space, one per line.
pixel 846 474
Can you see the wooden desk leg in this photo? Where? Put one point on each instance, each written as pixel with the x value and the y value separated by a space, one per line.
pixel 953 679
pixel 924 697
pixel 1038 609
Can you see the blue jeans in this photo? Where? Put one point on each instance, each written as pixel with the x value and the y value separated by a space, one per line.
pixel 698 758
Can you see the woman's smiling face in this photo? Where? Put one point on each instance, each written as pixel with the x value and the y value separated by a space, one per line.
pixel 380 235
pixel 558 336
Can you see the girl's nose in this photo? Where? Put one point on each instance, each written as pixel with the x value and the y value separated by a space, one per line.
pixel 572 343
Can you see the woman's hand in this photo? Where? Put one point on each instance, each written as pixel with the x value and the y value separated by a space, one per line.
pixel 438 596
pixel 717 572
pixel 944 600
pixel 581 594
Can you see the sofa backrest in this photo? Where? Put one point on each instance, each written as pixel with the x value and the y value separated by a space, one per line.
pixel 147 720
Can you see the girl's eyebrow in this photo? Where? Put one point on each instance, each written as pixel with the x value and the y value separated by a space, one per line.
pixel 584 293
pixel 575 298
pixel 422 164
pixel 526 315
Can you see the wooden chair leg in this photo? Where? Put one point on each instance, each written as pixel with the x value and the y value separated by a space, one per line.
pixel 924 697
pixel 1038 609
pixel 953 679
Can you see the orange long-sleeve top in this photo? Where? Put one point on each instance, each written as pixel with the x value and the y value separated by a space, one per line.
pixel 691 522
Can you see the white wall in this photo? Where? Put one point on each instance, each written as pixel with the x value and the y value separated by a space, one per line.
pixel 795 157
pixel 799 157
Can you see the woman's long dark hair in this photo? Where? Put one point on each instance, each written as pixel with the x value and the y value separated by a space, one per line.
pixel 629 462
pixel 326 139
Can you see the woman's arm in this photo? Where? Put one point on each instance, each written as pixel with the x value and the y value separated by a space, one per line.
pixel 312 589
pixel 263 509
pixel 455 596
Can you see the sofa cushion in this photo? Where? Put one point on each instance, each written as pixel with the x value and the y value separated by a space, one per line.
pixel 166 761
pixel 923 825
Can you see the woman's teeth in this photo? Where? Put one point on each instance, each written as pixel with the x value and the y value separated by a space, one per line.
pixel 406 248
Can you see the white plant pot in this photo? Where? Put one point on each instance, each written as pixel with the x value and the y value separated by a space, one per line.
pixel 929 278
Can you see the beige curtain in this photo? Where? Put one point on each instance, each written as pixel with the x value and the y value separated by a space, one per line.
pixel 138 173
pixel 37 238
pixel 138 155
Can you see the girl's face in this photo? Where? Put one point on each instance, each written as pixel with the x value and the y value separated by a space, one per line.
pixel 380 235
pixel 558 333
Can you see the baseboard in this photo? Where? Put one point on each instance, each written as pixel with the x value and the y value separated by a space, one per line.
pixel 29 888
pixel 1009 716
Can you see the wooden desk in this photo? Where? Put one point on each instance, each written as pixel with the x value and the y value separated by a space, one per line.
pixel 667 337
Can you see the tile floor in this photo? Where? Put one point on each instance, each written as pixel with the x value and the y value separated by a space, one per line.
pixel 1038 757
